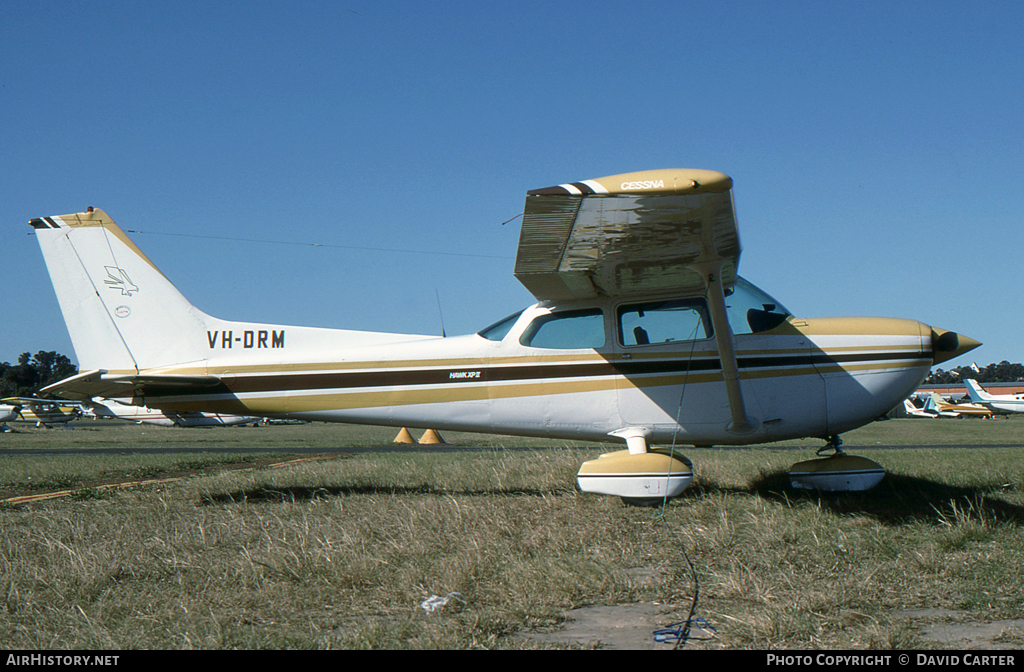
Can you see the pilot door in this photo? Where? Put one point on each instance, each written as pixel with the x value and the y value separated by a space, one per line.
pixel 669 369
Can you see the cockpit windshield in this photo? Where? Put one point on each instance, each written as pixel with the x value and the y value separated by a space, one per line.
pixel 751 310
pixel 500 329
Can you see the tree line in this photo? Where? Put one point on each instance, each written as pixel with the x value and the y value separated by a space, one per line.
pixel 1003 372
pixel 34 372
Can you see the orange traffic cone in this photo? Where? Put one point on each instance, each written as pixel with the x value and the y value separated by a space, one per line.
pixel 404 437
pixel 431 436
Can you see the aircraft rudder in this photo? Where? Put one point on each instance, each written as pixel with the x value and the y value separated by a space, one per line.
pixel 121 311
pixel 975 391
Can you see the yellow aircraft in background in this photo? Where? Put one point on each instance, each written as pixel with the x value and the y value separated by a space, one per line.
pixel 42 412
pixel 940 406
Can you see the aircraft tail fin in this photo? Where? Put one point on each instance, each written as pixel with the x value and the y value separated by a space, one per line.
pixel 122 313
pixel 975 391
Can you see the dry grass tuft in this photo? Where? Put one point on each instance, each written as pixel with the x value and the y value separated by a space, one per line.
pixel 341 553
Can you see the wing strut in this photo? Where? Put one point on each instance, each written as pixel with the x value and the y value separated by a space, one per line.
pixel 741 423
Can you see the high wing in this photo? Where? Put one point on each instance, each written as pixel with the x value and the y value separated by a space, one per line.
pixel 638 234
pixel 630 234
pixel 35 402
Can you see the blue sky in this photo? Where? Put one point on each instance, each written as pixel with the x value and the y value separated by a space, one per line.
pixel 876 149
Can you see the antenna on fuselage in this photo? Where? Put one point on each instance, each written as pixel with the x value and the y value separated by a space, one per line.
pixel 440 314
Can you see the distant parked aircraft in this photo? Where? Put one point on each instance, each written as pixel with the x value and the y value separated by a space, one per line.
pixel 8 412
pixel 915 412
pixel 949 409
pixel 997 403
pixel 125 410
pixel 43 412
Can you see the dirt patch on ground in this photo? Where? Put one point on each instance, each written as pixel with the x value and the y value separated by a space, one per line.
pixel 637 626
pixel 634 627
pixel 956 629
pixel 26 496
pixel 621 626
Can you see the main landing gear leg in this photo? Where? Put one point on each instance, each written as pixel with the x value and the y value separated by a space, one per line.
pixel 833 444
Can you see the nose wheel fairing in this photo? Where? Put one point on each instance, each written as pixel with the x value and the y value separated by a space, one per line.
pixel 838 472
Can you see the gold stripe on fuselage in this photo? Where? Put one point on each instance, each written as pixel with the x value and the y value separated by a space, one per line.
pixel 325 399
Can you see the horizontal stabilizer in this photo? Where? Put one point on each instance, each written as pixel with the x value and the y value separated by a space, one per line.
pixel 99 383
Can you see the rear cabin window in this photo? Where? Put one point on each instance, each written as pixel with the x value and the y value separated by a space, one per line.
pixel 658 322
pixel 569 330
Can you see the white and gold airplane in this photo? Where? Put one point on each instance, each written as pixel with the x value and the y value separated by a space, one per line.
pixel 643 333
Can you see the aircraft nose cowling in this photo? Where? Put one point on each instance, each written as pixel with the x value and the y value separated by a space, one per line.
pixel 949 344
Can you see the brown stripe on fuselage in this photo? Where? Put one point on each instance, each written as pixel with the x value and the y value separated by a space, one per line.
pixel 455 376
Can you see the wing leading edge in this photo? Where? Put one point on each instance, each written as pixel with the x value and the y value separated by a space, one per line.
pixel 630 234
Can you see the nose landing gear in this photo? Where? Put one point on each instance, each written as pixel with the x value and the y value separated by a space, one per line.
pixel 839 472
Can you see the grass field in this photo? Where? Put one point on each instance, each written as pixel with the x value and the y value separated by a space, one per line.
pixel 341 551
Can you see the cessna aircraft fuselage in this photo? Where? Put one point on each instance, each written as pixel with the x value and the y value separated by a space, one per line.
pixel 575 371
pixel 643 333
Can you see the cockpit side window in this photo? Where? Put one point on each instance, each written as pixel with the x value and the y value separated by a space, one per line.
pixel 656 322
pixel 567 330
pixel 500 329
